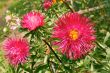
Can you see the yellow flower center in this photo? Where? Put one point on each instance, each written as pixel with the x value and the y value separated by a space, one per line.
pixel 74 34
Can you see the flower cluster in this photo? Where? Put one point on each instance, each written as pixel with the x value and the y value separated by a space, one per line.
pixel 75 34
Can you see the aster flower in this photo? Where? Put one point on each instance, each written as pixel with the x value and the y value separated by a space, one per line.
pixel 75 34
pixel 47 4
pixel 16 49
pixel 32 20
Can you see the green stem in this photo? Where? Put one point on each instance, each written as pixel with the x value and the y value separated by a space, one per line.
pixel 52 51
pixel 24 68
pixel 32 68
pixel 18 68
pixel 92 9
pixel 98 61
pixel 51 66
pixel 68 6
pixel 103 48
pixel 55 13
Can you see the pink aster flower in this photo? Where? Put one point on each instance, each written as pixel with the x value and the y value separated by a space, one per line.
pixel 47 4
pixel 75 34
pixel 16 49
pixel 32 20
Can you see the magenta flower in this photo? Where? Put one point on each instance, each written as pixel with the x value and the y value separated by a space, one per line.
pixel 17 50
pixel 75 34
pixel 32 20
pixel 47 4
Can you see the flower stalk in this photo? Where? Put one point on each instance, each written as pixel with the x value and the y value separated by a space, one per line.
pixel 91 9
pixel 68 6
pixel 52 51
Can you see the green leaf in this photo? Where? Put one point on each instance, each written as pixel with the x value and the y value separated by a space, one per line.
pixel 106 37
pixel 40 68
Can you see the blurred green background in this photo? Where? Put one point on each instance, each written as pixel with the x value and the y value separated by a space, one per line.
pixel 4 5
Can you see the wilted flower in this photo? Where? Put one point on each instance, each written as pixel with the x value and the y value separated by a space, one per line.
pixel 32 20
pixel 12 20
pixel 16 49
pixel 75 34
pixel 8 18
